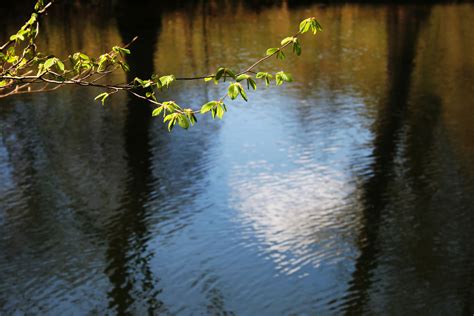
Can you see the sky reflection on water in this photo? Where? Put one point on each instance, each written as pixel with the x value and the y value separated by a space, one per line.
pixel 348 191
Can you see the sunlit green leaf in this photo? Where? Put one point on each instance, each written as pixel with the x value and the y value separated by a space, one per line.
pixel 60 65
pixel 287 40
pixel 102 97
pixel 183 121
pixel 49 63
pixel 241 91
pixel 271 51
pixel 220 111
pixel 157 111
pixel 167 80
pixel 233 90
pixel 190 115
pixel 281 77
pixel 242 77
pixel 208 106
pixel 122 51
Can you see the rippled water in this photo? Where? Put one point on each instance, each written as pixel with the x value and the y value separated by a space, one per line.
pixel 349 191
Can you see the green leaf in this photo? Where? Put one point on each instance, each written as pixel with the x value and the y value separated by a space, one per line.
pixel 281 77
pixel 156 79
pixel 151 95
pixel 252 83
pixel 230 72
pixel 168 117
pixel 39 5
pixel 138 81
pixel 305 25
pixel 310 24
pixel 102 97
pixel 171 106
pixel 233 90
pixel 190 115
pixel 125 66
pixel 60 65
pixel 265 76
pixel 167 80
pixel 280 55
pixel 278 79
pixel 318 26
pixel 241 91
pixel 171 124
pixel 219 73
pixel 122 51
pixel 208 106
pixel 220 110
pixel 297 48
pixel 147 83
pixel 183 121
pixel 171 118
pixel 157 111
pixel 84 57
pixel 49 63
pixel 32 19
pixel 242 77
pixel 287 40
pixel 272 51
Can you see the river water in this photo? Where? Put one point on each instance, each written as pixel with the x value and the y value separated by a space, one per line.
pixel 348 191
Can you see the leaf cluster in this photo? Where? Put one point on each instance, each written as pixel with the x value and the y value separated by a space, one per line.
pixel 19 58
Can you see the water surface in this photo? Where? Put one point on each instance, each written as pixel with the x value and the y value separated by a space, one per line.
pixel 349 191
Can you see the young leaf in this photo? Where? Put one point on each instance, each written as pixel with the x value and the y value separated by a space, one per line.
pixel 305 25
pixel 183 121
pixel 220 110
pixel 297 47
pixel 230 72
pixel 60 65
pixel 190 115
pixel 171 106
pixel 272 51
pixel 219 73
pixel 310 24
pixel 49 63
pixel 125 66
pixel 157 111
pixel 122 51
pixel 102 97
pixel 281 77
pixel 233 90
pixel 280 55
pixel 287 40
pixel 265 76
pixel 138 81
pixel 151 95
pixel 167 80
pixel 172 120
pixel 241 91
pixel 208 106
pixel 242 77
pixel 252 83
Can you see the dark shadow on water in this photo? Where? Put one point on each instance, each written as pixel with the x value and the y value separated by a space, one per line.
pixel 128 259
pixel 403 27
